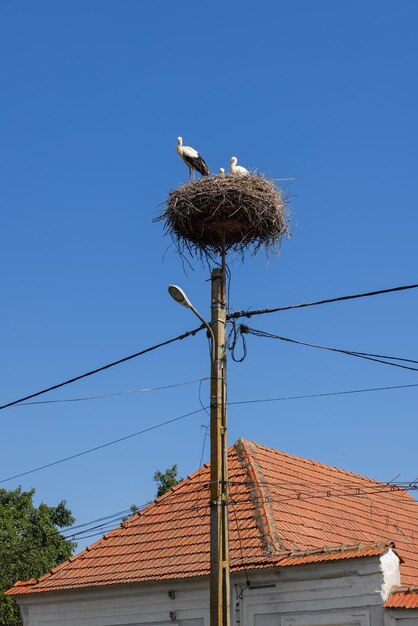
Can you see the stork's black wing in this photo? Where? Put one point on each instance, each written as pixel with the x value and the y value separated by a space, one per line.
pixel 197 163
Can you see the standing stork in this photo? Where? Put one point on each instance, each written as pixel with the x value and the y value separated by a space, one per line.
pixel 192 159
pixel 237 169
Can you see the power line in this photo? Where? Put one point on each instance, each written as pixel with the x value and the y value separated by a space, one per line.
pixel 238 314
pixel 296 494
pixel 313 495
pixel 230 316
pixel 322 395
pixel 105 518
pixel 105 367
pixel 361 355
pixel 296 486
pixel 103 445
pixel 200 380
pixel 118 393
pixel 233 403
pixel 119 514
pixel 174 499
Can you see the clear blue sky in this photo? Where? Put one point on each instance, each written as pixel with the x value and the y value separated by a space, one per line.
pixel 94 95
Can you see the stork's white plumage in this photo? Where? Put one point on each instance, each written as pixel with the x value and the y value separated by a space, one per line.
pixel 237 169
pixel 192 159
pixel 221 171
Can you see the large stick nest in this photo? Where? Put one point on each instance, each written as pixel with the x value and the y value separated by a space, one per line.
pixel 226 212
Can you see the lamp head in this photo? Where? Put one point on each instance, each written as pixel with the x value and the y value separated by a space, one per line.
pixel 179 296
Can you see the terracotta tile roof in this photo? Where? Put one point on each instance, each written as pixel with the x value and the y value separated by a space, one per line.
pixel 284 510
pixel 403 598
pixel 315 505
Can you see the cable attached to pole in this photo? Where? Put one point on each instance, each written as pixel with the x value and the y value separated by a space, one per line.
pixel 378 358
pixel 189 333
pixel 238 314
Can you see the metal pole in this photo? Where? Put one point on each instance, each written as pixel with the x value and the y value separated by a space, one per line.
pixel 219 542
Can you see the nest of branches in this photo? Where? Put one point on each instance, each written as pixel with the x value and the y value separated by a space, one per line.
pixel 216 214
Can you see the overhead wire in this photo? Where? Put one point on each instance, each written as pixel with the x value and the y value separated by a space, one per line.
pixel 247 314
pixel 189 333
pixel 326 495
pixel 117 393
pixel 232 340
pixel 103 445
pixel 349 484
pixel 105 519
pixel 205 436
pixel 230 403
pixel 297 487
pixel 73 532
pixel 322 395
pixel 361 355
pixel 408 486
pixel 305 494
pixel 247 578
pixel 230 316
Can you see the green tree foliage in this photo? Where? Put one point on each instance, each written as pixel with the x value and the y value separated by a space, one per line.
pixel 30 543
pixel 166 480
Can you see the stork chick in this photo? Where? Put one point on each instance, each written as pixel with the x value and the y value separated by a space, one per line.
pixel 192 159
pixel 221 171
pixel 237 169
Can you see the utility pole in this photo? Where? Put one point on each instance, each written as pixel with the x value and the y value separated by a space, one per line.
pixel 220 602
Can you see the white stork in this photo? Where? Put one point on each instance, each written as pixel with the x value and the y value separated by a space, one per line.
pixel 192 159
pixel 237 169
pixel 221 171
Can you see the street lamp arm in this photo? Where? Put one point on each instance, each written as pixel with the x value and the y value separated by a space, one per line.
pixel 207 325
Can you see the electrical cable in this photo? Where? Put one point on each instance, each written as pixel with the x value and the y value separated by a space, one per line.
pixel 327 495
pixel 200 396
pixel 360 355
pixel 103 445
pixel 230 316
pixel 247 579
pixel 276 399
pixel 121 515
pixel 322 395
pixel 189 333
pixel 104 519
pixel 232 341
pixel 233 403
pixel 238 314
pixel 352 484
pixel 251 501
pixel 118 393
pixel 205 436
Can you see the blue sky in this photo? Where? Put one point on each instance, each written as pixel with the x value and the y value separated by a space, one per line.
pixel 94 95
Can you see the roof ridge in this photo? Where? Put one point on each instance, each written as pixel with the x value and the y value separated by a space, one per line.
pixel 355 547
pixel 260 496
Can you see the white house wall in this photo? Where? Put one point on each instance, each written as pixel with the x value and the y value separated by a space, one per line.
pixel 343 593
pixel 401 617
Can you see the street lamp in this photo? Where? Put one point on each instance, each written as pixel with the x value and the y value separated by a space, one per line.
pixel 179 296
